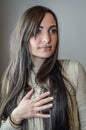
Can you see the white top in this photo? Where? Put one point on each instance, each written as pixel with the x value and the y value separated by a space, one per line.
pixel 77 76
pixel 35 123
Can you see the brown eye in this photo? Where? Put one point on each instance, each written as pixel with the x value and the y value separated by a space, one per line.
pixel 38 31
pixel 53 31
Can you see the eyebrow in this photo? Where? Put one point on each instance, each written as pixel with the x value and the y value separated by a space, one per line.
pixel 52 26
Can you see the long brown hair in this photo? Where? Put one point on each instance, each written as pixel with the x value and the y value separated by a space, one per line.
pixel 18 71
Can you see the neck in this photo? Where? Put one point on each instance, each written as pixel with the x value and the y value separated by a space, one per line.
pixel 37 62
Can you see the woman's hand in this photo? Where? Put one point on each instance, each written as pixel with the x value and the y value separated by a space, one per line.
pixel 29 108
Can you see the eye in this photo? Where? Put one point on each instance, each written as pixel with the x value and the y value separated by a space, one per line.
pixel 38 31
pixel 52 30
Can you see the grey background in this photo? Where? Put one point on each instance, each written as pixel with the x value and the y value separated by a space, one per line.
pixel 72 26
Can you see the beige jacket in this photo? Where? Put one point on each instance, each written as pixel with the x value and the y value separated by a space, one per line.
pixel 76 75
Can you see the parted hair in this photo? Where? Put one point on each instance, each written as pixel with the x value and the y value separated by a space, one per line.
pixel 16 76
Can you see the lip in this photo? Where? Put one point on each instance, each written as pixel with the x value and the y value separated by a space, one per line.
pixel 45 47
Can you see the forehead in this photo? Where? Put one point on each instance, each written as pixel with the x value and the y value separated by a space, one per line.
pixel 48 20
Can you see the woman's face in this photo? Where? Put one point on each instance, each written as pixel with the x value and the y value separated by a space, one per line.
pixel 44 44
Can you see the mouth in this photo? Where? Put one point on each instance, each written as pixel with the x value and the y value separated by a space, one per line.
pixel 44 47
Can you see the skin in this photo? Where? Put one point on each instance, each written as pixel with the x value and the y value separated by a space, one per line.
pixel 42 46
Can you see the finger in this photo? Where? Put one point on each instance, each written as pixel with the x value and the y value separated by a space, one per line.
pixel 41 108
pixel 43 95
pixel 40 115
pixel 29 94
pixel 44 101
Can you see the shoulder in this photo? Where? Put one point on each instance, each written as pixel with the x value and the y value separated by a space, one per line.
pixel 71 65
pixel 73 70
pixel 67 63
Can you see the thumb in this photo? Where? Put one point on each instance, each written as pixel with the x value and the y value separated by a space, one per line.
pixel 29 94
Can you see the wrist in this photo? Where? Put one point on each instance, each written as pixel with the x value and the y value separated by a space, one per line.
pixel 14 124
pixel 15 117
pixel 13 121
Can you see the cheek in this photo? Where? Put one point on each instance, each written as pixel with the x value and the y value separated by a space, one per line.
pixel 34 41
pixel 54 42
pixel 31 45
pixel 31 48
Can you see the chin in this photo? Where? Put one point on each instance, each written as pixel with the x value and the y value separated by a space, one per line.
pixel 46 56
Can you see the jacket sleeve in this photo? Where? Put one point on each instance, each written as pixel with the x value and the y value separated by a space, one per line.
pixel 5 125
pixel 81 96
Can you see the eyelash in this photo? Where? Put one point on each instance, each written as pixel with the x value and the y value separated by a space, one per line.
pixel 38 31
pixel 51 31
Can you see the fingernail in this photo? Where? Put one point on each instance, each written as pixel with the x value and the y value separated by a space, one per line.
pixel 51 105
pixel 52 98
pixel 48 92
pixel 48 116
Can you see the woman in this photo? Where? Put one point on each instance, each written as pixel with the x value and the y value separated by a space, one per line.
pixel 40 92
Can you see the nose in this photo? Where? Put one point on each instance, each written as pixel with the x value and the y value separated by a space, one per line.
pixel 46 37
